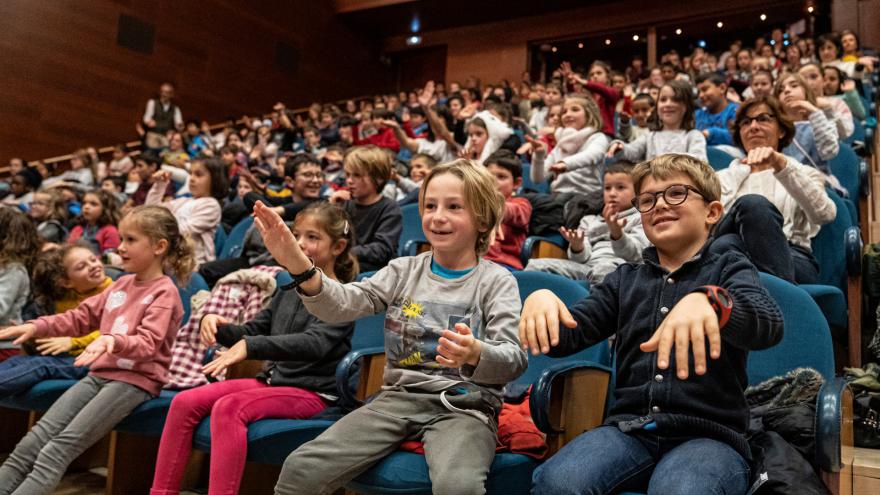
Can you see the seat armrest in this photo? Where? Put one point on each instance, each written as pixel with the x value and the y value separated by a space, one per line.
pixel 348 367
pixel 541 398
pixel 532 243
pixel 864 179
pixel 834 425
pixel 852 239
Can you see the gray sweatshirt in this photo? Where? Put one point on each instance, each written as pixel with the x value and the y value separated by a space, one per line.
pixel 418 306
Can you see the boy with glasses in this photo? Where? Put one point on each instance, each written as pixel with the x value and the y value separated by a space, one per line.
pixel 684 322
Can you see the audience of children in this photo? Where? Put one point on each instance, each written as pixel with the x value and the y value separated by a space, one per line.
pixel 297 382
pixel 602 242
pixel 464 349
pixel 342 200
pixel 138 316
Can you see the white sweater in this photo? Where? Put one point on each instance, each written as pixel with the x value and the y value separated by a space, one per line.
pixel 584 168
pixel 797 191
pixel 656 143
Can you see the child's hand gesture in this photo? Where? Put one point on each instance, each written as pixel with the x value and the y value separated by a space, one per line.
pixel 848 85
pixel 615 225
pixel 392 123
pixel 426 95
pixel 531 145
pixel 575 238
pixel 559 168
pixel 54 346
pixel 539 323
pixel 340 196
pixel 615 147
pixel 458 348
pixel 282 245
pixel 208 328
pixel 225 359
pixel 21 333
pixel 99 346
pixel 688 325
pixel 161 176
pixel 469 110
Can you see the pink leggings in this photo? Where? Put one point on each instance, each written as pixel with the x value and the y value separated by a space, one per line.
pixel 232 404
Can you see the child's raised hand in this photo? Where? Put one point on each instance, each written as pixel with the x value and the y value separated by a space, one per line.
pixel 733 96
pixel 426 95
pixel 687 326
pixel 208 328
pixel 615 225
pixel 21 333
pixel 279 239
pixel 458 348
pixel 559 168
pixel 575 238
pixel 54 346
pixel 848 85
pixel 532 145
pixel 615 147
pixel 93 351
pixel 539 323
pixel 161 176
pixel 392 123
pixel 236 354
pixel 340 196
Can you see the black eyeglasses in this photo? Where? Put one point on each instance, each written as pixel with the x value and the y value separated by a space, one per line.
pixel 675 194
pixel 761 118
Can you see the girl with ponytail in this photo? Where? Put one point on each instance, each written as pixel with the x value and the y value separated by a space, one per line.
pixel 298 380
pixel 137 316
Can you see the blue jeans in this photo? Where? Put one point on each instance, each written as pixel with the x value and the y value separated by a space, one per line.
pixel 607 461
pixel 19 373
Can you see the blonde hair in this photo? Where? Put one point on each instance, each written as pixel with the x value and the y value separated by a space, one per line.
pixel 591 109
pixel 371 161
pixel 481 196
pixel 157 223
pixel 665 166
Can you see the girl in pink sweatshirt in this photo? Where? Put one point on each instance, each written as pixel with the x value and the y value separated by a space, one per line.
pixel 138 317
pixel 198 216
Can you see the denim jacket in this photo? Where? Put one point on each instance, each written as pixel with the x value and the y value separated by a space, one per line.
pixel 634 300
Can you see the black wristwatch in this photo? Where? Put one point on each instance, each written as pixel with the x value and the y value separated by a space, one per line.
pixel 299 278
pixel 720 301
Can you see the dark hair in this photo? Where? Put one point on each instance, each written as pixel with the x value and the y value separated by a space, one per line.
pixel 19 241
pixel 713 77
pixel 219 177
pixel 854 35
pixel 118 182
pixel 31 177
pixel 110 208
pixel 764 72
pixel 620 167
pixel 785 124
pixel 683 93
pixel 644 96
pixel 830 38
pixel 456 96
pixel 336 223
pixel 382 113
pixel 48 270
pixel 417 111
pixel 506 160
pixel 293 164
pixel 150 158
pixel 841 77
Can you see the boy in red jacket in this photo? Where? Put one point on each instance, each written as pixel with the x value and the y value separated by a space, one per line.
pixel 505 250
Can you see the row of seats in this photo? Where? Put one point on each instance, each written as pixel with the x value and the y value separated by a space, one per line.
pixel 568 397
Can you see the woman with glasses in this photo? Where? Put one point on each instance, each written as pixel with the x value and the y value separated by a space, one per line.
pixel 774 204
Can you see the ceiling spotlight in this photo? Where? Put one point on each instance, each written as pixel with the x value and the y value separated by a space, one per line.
pixel 554 49
pixel 635 37
pixel 810 9
pixel 701 43
pixel 678 31
pixel 413 40
pixel 763 17
pixel 607 41
pixel 720 24
pixel 580 45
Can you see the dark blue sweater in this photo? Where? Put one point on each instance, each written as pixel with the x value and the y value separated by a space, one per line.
pixel 634 300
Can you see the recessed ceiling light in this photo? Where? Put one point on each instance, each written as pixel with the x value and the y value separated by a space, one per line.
pixel 580 45
pixel 607 41
pixel 554 49
pixel 763 17
pixel 720 24
pixel 810 9
pixel 678 31
pixel 635 37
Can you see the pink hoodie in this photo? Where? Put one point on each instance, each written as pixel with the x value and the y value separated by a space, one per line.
pixel 142 317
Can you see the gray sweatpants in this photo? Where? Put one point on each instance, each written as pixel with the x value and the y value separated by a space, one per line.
pixel 594 270
pixel 77 420
pixel 459 448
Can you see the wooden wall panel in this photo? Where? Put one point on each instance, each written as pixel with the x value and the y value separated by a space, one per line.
pixel 65 83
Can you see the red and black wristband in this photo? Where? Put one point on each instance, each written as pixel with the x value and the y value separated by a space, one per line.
pixel 720 301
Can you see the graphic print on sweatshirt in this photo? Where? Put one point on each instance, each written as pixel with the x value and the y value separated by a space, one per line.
pixel 413 329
